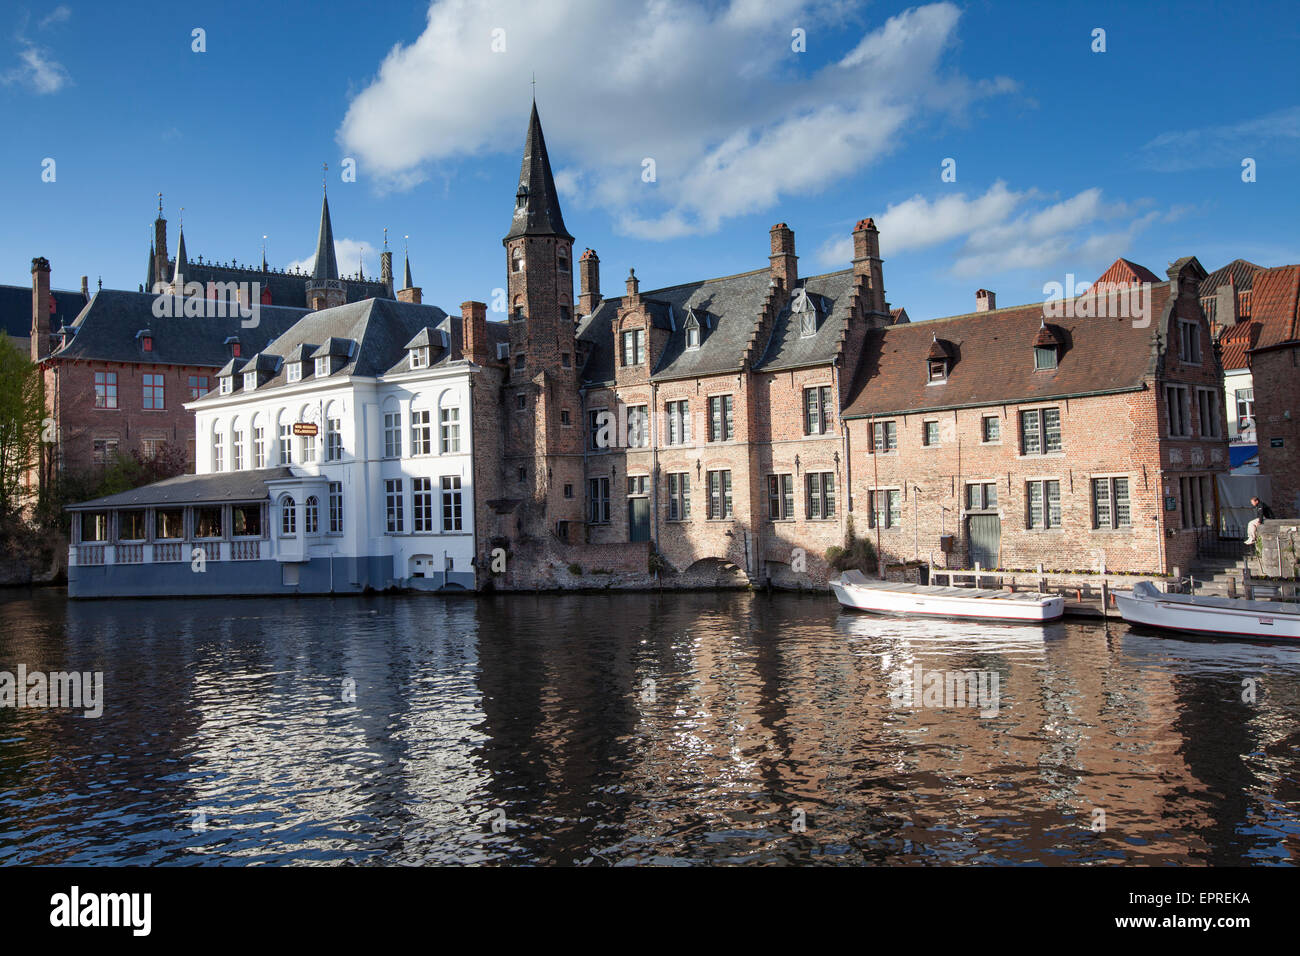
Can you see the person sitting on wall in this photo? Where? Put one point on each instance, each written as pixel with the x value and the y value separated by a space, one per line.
pixel 1262 513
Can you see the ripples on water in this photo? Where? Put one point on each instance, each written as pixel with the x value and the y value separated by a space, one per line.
pixel 624 729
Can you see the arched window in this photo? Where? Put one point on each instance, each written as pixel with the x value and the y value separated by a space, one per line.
pixel 516 259
pixel 284 438
pixel 218 450
pixel 311 515
pixel 334 432
pixel 288 516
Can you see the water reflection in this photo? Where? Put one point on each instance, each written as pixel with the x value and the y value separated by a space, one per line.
pixel 616 729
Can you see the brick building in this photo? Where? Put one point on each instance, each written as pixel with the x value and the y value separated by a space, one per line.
pixel 1067 441
pixel 699 421
pixel 1275 366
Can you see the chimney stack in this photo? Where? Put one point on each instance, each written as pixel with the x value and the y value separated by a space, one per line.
pixel 85 287
pixel 40 346
pixel 785 264
pixel 867 264
pixel 633 287
pixel 589 282
pixel 410 294
pixel 985 301
pixel 475 346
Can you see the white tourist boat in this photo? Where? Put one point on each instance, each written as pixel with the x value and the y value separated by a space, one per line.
pixel 1235 617
pixel 855 590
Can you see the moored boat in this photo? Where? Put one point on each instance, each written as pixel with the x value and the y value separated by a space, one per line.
pixel 855 590
pixel 1232 617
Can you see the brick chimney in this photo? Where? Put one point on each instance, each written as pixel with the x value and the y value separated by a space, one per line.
pixel 410 294
pixel 85 287
pixel 40 308
pixel 588 282
pixel 633 288
pixel 785 264
pixel 867 264
pixel 985 301
pixel 475 345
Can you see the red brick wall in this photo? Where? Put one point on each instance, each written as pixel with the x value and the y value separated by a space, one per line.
pixel 71 386
pixel 1277 416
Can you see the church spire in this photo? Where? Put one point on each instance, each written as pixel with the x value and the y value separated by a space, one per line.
pixel 182 263
pixel 151 274
pixel 537 204
pixel 327 266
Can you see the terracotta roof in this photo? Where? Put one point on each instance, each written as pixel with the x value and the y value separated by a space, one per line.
pixel 898 315
pixel 1277 305
pixel 1235 342
pixel 1123 272
pixel 993 362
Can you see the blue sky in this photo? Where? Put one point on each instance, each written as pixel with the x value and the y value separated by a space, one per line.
pixel 1065 158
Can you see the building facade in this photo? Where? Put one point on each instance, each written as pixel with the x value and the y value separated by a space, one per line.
pixel 1275 366
pixel 338 459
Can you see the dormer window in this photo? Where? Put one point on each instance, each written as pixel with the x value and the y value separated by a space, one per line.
pixel 1047 347
pixel 803 307
pixel 420 357
pixel 250 381
pixel 146 340
pixel 693 336
pixel 322 367
pixel 521 197
pixel 227 384
pixel 293 372
pixel 234 350
pixel 938 361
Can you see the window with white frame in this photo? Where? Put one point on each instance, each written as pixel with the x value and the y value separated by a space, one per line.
pixel 1040 431
pixel 288 516
pixel 336 507
pixel 421 432
pixel 237 448
pixel 678 416
pixel 333 439
pixel 1043 504
pixel 259 446
pixel 285 443
pixel 218 452
pixel 719 485
pixel 293 372
pixel 393 504
pixel 308 449
pixel 250 381
pixel 453 506
pixel 422 505
pixel 393 434
pixel 449 426
pixel 819 495
pixel 311 515
pixel 420 357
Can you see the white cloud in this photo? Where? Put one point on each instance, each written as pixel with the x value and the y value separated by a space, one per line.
pixel 349 253
pixel 38 71
pixel 60 14
pixel 1002 230
pixel 733 118
pixel 1276 133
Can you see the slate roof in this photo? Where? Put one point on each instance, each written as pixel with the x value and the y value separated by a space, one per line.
pixel 1277 306
pixel 993 362
pixel 379 327
pixel 539 212
pixel 287 288
pixel 1236 342
pixel 192 489
pixel 16 309
pixel 728 310
pixel 1242 272
pixel 326 265
pixel 105 331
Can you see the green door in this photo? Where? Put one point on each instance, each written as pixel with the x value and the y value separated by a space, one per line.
pixel 985 532
pixel 638 519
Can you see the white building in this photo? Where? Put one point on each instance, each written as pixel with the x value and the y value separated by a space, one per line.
pixel 338 459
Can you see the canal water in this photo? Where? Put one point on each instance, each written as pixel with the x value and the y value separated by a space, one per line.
pixel 622 729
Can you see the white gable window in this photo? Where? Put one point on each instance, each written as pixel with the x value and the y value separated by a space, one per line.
pixel 420 357
pixel 322 367
pixel 293 372
pixel 803 307
pixel 692 330
pixel 250 381
pixel 227 384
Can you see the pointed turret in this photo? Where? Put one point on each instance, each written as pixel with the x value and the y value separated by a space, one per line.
pixel 151 276
pixel 327 266
pixel 409 292
pixel 537 204
pixel 182 263
pixel 324 289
